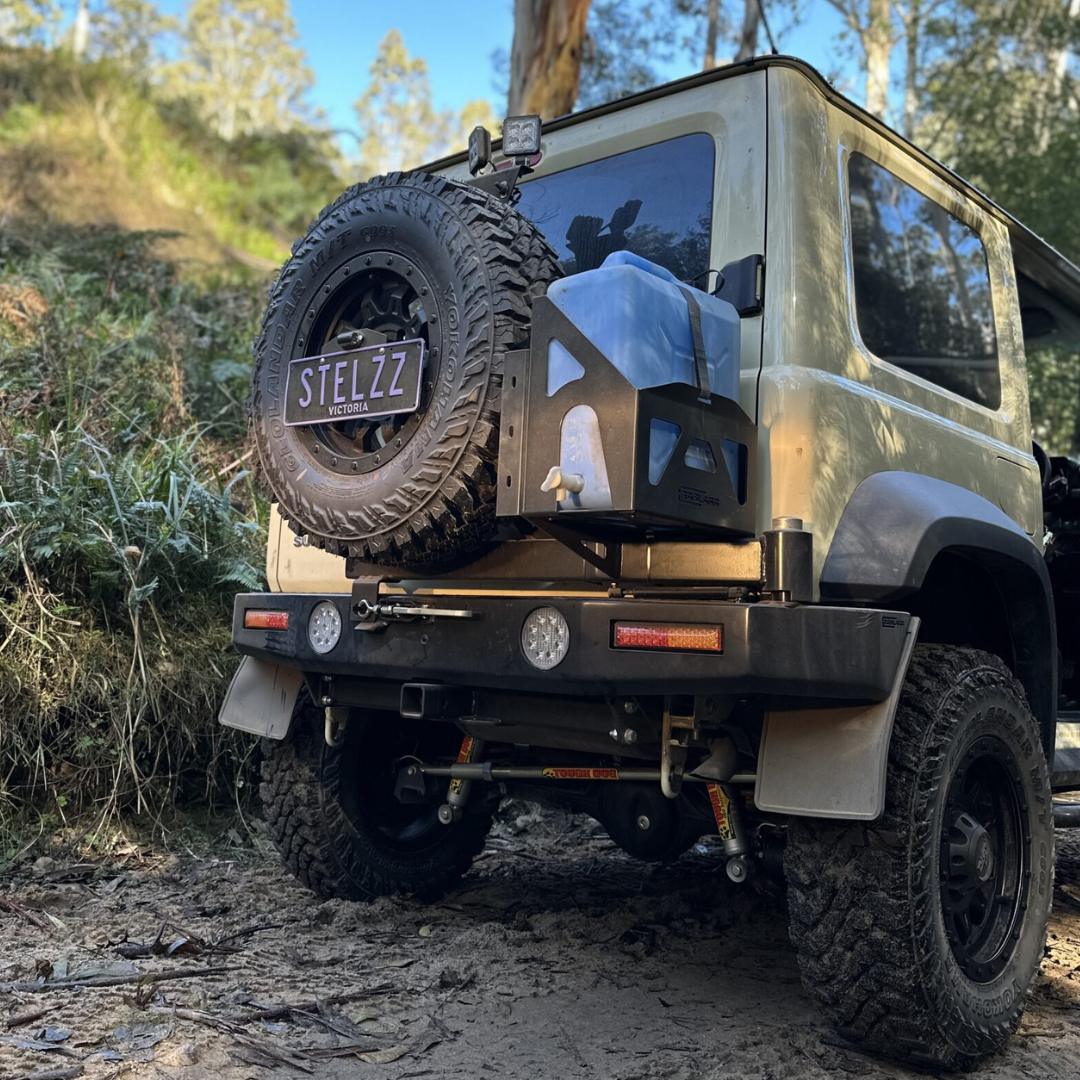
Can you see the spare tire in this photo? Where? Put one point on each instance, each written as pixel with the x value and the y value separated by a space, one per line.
pixel 409 256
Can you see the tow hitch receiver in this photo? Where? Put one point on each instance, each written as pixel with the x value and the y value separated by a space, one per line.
pixel 435 701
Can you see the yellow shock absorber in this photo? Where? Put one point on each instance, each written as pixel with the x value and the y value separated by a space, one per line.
pixel 458 794
pixel 728 817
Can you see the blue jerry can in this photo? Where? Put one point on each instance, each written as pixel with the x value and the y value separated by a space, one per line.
pixel 636 314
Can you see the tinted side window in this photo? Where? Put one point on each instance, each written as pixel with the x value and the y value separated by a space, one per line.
pixel 655 202
pixel 922 287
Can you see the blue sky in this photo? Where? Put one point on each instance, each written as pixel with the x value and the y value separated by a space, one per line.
pixel 457 40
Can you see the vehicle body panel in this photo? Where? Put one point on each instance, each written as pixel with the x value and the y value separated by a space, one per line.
pixel 830 412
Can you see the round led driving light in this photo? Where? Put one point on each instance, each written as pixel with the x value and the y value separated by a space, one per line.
pixel 324 626
pixel 545 638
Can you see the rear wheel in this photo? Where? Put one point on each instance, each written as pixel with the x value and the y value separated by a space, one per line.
pixel 335 818
pixel 921 933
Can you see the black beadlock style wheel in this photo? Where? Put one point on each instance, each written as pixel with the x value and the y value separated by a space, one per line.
pixel 391 299
pixel 334 816
pixel 411 257
pixel 985 871
pixel 921 933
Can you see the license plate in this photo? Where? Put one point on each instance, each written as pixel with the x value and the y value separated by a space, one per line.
pixel 377 380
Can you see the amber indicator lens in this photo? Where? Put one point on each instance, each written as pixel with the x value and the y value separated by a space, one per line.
pixel 259 619
pixel 666 636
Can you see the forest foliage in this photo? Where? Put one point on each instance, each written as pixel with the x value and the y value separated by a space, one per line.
pixel 154 170
pixel 127 521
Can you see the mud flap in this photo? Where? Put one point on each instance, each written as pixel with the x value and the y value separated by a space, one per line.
pixel 830 763
pixel 261 697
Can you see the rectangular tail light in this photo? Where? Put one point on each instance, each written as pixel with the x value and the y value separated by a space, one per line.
pixel 261 619
pixel 666 636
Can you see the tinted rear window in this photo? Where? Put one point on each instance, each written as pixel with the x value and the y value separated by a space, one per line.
pixel 922 288
pixel 655 202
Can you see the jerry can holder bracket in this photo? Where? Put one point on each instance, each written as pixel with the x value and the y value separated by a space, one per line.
pixel 704 489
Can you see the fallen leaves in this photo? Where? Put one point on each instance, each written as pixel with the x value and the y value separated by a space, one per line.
pixel 382 1056
pixel 172 940
pixel 265 1053
pixel 22 305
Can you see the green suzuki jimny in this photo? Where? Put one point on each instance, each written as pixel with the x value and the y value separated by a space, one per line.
pixel 673 463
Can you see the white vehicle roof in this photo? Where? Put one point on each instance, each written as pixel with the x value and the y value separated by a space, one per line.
pixel 1046 278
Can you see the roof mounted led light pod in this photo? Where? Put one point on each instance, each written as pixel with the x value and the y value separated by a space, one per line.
pixel 479 149
pixel 521 136
pixel 521 149
pixel 520 141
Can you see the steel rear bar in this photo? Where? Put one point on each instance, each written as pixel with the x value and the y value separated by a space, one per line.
pixel 786 650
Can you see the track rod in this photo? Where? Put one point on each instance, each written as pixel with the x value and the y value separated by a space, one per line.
pixel 486 771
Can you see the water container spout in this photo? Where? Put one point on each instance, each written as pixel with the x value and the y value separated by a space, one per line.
pixel 562 483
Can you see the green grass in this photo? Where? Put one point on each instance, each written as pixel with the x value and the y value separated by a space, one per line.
pixel 82 144
pixel 125 340
pixel 135 252
pixel 136 248
pixel 127 521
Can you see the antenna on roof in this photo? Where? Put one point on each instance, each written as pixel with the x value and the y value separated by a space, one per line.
pixel 768 32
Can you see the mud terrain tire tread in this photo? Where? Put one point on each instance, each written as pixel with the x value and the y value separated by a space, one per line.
pixel 455 515
pixel 861 909
pixel 300 792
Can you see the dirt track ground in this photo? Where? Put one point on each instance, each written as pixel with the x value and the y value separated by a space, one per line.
pixel 559 958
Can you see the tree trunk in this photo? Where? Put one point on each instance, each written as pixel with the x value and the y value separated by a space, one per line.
pixel 545 61
pixel 80 30
pixel 1057 68
pixel 911 67
pixel 748 37
pixel 878 43
pixel 712 30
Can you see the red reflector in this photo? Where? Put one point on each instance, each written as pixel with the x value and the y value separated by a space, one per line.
pixel 259 619
pixel 660 636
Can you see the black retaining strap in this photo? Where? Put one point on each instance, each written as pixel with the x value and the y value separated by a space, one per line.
pixel 701 362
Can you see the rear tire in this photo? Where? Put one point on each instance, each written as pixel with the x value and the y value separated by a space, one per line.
pixel 336 822
pixel 921 933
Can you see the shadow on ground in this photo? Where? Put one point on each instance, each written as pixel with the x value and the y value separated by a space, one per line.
pixel 559 958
